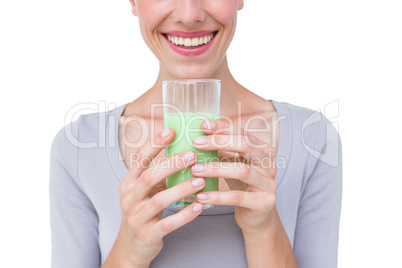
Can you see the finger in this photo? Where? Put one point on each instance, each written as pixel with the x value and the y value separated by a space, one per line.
pixel 232 157
pixel 175 221
pixel 231 143
pixel 221 127
pixel 150 150
pixel 245 143
pixel 257 201
pixel 232 170
pixel 169 166
pixel 238 148
pixel 169 196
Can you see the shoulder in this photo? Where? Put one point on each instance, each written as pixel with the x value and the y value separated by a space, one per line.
pixel 311 130
pixel 305 122
pixel 85 132
pixel 66 145
pixel 310 143
pixel 297 114
pixel 63 148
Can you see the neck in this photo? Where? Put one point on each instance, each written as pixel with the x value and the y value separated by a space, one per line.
pixel 231 90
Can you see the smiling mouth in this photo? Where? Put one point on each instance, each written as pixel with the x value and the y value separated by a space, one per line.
pixel 190 43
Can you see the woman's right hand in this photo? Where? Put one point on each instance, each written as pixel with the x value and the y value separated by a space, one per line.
pixel 140 238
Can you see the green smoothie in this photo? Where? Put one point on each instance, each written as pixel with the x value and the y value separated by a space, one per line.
pixel 187 126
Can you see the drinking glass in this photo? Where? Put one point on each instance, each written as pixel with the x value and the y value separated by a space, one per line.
pixel 186 103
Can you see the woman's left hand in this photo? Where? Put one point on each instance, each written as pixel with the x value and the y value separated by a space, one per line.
pixel 252 181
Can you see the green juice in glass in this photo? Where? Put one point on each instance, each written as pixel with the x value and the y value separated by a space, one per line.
pixel 187 126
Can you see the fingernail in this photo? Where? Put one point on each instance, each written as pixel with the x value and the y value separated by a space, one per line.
pixel 202 196
pixel 197 207
pixel 165 132
pixel 188 156
pixel 197 182
pixel 209 125
pixel 198 167
pixel 200 140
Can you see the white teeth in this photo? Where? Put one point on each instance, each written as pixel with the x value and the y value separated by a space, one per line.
pixel 205 39
pixel 187 42
pixel 190 42
pixel 194 42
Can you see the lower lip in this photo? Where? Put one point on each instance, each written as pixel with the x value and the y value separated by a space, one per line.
pixel 190 51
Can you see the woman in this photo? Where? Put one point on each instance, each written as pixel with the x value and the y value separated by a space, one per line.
pixel 112 212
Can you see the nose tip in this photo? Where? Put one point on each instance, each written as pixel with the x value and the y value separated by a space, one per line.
pixel 189 12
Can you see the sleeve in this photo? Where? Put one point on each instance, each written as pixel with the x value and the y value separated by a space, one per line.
pixel 317 228
pixel 73 218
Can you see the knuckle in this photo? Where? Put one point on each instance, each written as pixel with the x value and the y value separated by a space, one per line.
pixel 156 202
pixel 124 185
pixel 214 140
pixel 273 169
pixel 146 179
pixel 125 205
pixel 215 165
pixel 273 172
pixel 186 217
pixel 144 160
pixel 246 170
pixel 143 235
pixel 237 198
pixel 132 223
pixel 273 185
pixel 269 151
pixel 268 202
pixel 183 187
pixel 245 146
pixel 167 226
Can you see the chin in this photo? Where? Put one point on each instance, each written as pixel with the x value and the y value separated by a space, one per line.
pixel 193 73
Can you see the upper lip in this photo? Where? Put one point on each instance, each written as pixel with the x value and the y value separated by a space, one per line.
pixel 189 34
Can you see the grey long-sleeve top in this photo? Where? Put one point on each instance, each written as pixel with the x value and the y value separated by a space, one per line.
pixel 86 169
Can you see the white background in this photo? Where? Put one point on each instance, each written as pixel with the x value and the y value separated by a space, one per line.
pixel 56 54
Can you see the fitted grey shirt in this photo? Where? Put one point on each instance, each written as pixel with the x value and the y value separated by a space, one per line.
pixel 86 169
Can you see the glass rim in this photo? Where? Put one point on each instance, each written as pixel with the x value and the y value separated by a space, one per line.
pixel 190 81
